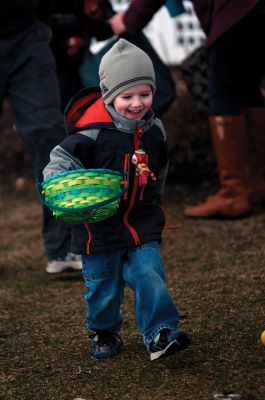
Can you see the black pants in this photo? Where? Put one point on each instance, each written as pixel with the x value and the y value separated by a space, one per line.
pixel 28 81
pixel 237 66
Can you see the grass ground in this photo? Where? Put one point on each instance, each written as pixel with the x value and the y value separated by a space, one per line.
pixel 215 273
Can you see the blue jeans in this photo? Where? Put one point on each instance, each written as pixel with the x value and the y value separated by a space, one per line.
pixel 28 80
pixel 142 269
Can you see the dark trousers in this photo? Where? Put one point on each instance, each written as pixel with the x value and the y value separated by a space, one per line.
pixel 28 81
pixel 68 76
pixel 237 66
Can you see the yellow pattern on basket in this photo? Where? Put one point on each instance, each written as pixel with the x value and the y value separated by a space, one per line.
pixel 70 194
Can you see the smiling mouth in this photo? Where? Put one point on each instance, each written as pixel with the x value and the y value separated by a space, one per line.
pixel 135 111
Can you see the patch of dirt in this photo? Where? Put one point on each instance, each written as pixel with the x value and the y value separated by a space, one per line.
pixel 215 274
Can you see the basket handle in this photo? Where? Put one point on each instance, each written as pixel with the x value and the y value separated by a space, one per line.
pixel 81 209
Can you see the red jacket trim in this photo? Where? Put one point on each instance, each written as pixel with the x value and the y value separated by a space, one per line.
pixel 95 113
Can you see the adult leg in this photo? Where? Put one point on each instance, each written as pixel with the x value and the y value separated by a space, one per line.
pixel 255 117
pixel 254 109
pixel 68 77
pixel 229 79
pixel 229 137
pixel 33 93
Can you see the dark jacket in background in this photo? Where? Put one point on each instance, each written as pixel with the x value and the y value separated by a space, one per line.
pixel 67 19
pixel 16 15
pixel 216 16
pixel 139 13
pixel 71 32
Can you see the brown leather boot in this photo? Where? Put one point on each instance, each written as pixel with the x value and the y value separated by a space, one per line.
pixel 230 144
pixel 255 118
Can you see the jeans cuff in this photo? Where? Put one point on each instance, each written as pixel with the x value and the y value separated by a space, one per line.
pixel 165 325
pixel 113 329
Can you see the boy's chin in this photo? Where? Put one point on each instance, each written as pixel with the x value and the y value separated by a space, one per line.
pixel 135 117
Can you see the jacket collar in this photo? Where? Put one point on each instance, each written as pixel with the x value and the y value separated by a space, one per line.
pixel 87 110
pixel 130 125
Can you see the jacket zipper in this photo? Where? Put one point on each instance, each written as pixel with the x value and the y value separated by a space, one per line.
pixel 126 215
pixel 126 172
pixel 133 232
pixel 89 239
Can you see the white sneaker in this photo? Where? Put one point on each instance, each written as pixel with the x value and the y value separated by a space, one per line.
pixel 72 262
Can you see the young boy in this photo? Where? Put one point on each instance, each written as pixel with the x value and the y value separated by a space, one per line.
pixel 115 129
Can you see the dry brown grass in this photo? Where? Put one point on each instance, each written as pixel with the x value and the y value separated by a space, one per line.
pixel 215 274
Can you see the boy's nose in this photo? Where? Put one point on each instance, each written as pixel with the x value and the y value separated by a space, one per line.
pixel 137 101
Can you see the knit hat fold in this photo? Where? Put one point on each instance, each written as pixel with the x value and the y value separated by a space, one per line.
pixel 123 66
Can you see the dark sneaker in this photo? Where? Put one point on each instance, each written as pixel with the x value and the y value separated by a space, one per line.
pixel 167 343
pixel 106 344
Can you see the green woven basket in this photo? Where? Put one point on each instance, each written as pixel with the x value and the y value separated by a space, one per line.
pixel 83 195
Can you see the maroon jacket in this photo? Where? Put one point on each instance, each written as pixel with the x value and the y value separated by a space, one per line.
pixel 216 16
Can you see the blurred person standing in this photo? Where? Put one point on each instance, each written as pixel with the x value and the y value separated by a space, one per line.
pixel 235 31
pixel 72 24
pixel 139 13
pixel 65 19
pixel 28 81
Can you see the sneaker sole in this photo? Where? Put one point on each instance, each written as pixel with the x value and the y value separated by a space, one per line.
pixel 64 267
pixel 171 349
pixel 103 356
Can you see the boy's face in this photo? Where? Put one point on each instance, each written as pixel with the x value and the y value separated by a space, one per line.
pixel 135 102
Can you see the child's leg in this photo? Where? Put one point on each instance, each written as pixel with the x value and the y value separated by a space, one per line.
pixel 154 307
pixel 104 290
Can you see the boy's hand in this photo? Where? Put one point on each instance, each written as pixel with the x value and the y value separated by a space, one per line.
pixel 116 23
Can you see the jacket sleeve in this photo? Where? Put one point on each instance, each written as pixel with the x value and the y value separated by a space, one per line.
pixel 61 161
pixel 75 152
pixel 204 9
pixel 139 13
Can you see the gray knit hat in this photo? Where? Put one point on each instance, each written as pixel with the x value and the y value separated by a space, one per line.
pixel 124 66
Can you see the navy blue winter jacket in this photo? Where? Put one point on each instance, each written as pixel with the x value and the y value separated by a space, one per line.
pixel 100 138
pixel 16 15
